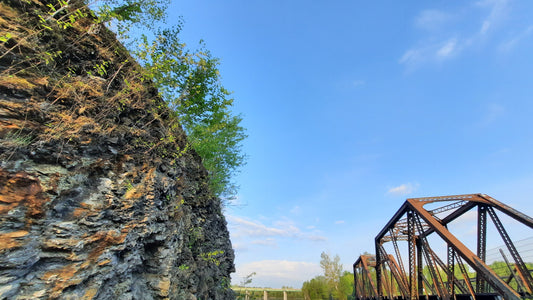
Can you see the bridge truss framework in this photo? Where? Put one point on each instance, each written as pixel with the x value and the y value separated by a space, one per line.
pixel 427 276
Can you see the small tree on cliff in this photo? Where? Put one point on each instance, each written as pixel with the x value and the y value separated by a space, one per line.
pixel 189 81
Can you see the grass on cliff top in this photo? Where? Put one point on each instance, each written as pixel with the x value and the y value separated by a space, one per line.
pixel 95 81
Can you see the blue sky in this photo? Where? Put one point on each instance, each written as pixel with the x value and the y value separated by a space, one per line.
pixel 353 106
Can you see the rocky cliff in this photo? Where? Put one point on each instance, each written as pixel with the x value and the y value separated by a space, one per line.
pixel 100 196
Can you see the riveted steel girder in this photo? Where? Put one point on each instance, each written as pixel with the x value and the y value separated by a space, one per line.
pixel 412 223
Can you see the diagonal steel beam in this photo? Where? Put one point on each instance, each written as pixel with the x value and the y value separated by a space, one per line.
pixel 506 291
pixel 511 212
pixel 363 264
pixel 401 281
pixel 523 272
pixel 466 278
pixel 397 216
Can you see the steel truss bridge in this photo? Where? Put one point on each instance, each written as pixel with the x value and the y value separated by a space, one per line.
pixel 463 274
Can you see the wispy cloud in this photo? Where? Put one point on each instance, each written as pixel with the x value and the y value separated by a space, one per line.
pixel 498 9
pixel 296 210
pixel 432 52
pixel 448 49
pixel 491 112
pixel 257 229
pixel 339 222
pixel 357 83
pixel 403 189
pixel 442 40
pixel 241 227
pixel 265 242
pixel 512 42
pixel 316 238
pixel 239 247
pixel 278 272
pixel 432 19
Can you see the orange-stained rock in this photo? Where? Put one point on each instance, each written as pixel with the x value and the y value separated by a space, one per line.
pixel 59 279
pixel 89 207
pixel 90 293
pixel 103 240
pixel 21 188
pixel 9 240
pixel 164 286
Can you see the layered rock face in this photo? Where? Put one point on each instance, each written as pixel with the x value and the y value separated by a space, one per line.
pixel 100 196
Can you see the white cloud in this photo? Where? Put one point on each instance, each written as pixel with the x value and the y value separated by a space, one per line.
pixel 266 242
pixel 411 56
pixel 511 43
pixel 485 27
pixel 339 222
pixel 491 113
pixel 256 229
pixel 357 83
pixel 239 247
pixel 296 210
pixel 277 273
pixel 240 227
pixel 316 238
pixel 404 189
pixel 432 19
pixel 443 40
pixel 433 52
pixel 498 10
pixel 448 49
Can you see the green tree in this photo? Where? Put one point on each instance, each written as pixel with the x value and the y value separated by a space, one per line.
pixel 247 279
pixel 332 271
pixel 346 284
pixel 123 16
pixel 316 289
pixel 334 284
pixel 189 81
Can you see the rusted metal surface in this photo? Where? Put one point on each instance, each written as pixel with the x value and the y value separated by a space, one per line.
pixel 364 281
pixel 426 273
pixel 523 272
pixel 481 243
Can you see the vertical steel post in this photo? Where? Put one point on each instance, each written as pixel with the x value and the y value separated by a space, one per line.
pixel 451 272
pixel 420 267
pixel 413 293
pixel 355 279
pixel 481 244
pixel 378 270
